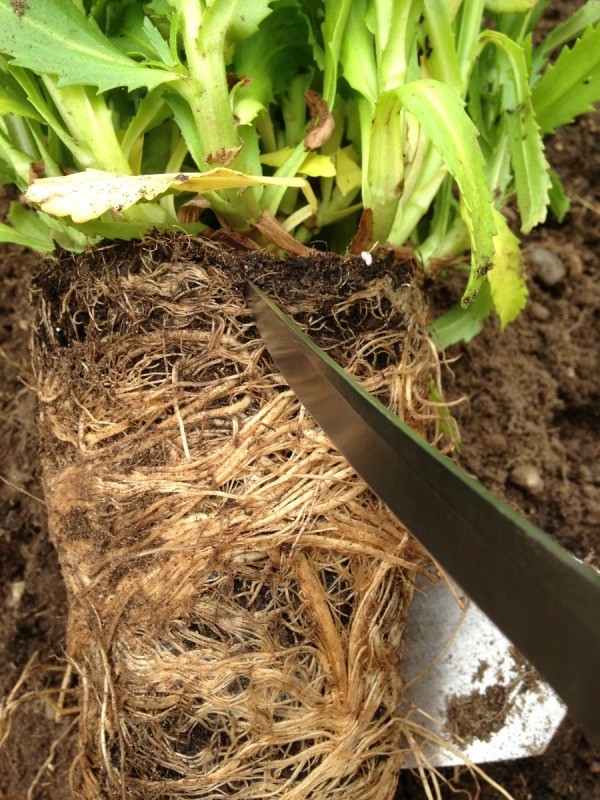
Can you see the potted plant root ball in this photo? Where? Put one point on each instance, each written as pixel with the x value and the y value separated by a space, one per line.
pixel 237 596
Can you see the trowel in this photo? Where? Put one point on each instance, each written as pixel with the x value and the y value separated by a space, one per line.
pixel 496 653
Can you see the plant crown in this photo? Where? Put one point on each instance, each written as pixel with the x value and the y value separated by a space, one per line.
pixel 118 117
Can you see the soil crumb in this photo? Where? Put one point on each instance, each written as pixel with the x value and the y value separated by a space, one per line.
pixel 478 715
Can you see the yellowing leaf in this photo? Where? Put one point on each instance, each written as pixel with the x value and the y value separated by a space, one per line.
pixel 348 173
pixel 314 165
pixel 277 157
pixel 507 284
pixel 87 195
pixel 317 166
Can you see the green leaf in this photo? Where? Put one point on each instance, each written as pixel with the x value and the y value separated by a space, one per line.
pixel 158 147
pixel 228 21
pixel 108 228
pixel 357 55
pixel 336 16
pixel 54 38
pixel 441 58
pixel 270 59
pixel 460 324
pixel 13 104
pixel 559 202
pixel 27 238
pixel 385 164
pixel 395 27
pixel 524 140
pixel 447 423
pixel 16 163
pixel 444 121
pixel 570 85
pixel 162 9
pixel 506 280
pixel 187 125
pixel 509 6
pixel 36 230
pixel 566 31
pixel 65 235
pixel 137 35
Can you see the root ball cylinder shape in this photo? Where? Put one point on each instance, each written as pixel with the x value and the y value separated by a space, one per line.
pixel 237 595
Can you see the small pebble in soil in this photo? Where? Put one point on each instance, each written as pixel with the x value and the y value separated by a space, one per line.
pixel 548 266
pixel 539 312
pixel 527 477
pixel 17 588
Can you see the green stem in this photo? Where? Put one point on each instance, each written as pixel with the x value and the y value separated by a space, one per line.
pixel 39 101
pixel 19 162
pixel 206 90
pixel 395 38
pixel 273 195
pixel 336 212
pixel 469 27
pixel 207 95
pixel 385 167
pixel 442 215
pixel 89 122
pixel 415 203
pixel 497 170
pixel 266 131
pixel 178 153
pixel 454 242
pixel 442 63
pixel 151 112
pixel 294 111
pixel 21 136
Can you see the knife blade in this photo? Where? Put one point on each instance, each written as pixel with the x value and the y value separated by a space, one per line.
pixel 546 601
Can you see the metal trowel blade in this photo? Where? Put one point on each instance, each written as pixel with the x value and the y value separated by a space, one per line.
pixel 469 687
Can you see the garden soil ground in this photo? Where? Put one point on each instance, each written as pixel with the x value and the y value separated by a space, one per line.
pixel 532 398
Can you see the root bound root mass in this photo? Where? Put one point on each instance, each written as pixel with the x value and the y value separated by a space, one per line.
pixel 237 595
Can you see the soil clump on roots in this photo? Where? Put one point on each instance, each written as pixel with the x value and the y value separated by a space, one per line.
pixel 237 597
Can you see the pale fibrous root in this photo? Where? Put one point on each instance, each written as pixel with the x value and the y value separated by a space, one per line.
pixel 237 595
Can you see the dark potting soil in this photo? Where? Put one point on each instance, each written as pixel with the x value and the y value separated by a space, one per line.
pixel 532 401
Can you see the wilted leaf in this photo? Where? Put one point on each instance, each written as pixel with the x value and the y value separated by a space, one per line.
pixel 322 123
pixel 87 195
